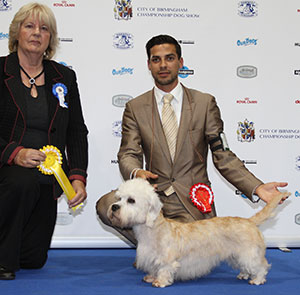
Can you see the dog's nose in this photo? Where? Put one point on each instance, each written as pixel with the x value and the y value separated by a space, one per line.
pixel 115 207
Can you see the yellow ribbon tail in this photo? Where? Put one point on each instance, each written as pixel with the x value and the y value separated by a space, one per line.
pixel 64 183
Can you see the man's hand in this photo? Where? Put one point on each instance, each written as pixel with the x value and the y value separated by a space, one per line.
pixel 29 158
pixel 268 190
pixel 146 175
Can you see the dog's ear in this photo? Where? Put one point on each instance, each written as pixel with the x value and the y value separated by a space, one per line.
pixel 155 206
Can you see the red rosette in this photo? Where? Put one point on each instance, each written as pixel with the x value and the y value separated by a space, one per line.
pixel 202 197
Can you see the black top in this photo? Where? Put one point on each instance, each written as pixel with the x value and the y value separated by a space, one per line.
pixel 37 122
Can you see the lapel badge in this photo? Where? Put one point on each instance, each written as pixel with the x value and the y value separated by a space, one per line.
pixel 60 91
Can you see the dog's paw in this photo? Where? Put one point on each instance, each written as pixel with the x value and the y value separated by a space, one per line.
pixel 257 281
pixel 243 276
pixel 148 279
pixel 159 284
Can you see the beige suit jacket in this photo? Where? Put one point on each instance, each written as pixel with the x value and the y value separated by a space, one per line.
pixel 143 138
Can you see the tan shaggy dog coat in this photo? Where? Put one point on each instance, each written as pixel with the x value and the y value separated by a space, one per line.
pixel 168 250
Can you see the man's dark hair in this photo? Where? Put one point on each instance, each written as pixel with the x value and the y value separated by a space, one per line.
pixel 163 39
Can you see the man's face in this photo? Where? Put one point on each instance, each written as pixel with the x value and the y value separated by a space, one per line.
pixel 164 66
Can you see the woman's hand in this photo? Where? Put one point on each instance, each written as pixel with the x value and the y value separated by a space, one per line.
pixel 29 158
pixel 81 194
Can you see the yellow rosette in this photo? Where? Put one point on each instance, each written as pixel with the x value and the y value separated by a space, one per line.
pixel 52 165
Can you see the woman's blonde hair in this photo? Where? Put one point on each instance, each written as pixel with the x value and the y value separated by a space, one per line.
pixel 45 14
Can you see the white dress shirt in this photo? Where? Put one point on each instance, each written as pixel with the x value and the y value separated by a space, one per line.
pixel 176 102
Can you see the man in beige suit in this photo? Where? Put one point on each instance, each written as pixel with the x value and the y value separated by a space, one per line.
pixel 200 126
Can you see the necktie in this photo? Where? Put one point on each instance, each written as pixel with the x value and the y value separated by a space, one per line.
pixel 169 122
pixel 170 126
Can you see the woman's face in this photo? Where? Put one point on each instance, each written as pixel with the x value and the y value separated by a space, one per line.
pixel 34 36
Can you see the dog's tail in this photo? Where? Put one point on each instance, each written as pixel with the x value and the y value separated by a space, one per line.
pixel 267 211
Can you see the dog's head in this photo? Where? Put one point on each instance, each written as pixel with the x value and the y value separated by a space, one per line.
pixel 137 204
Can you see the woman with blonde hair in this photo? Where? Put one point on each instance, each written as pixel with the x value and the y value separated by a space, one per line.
pixel 39 106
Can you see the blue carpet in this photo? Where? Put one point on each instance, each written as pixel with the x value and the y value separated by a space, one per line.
pixel 110 272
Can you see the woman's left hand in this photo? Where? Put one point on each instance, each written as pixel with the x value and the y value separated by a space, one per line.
pixel 81 194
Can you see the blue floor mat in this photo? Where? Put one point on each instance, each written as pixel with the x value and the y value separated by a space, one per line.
pixel 110 272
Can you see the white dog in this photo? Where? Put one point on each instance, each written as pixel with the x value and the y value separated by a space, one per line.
pixel 168 250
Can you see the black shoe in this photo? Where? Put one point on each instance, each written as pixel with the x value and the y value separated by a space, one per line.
pixel 6 274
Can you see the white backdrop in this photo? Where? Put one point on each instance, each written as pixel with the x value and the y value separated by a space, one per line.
pixel 245 53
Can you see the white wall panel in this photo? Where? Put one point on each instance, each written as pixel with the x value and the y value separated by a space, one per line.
pixel 219 41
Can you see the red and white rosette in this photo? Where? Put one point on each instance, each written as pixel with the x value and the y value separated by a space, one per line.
pixel 202 197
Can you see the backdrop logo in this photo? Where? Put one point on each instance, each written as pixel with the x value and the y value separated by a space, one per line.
pixel 120 100
pixel 266 133
pixel 122 71
pixel 246 42
pixel 5 5
pixel 297 163
pixel 117 128
pixel 67 40
pixel 297 44
pixel 297 218
pixel 250 162
pixel 247 8
pixel 245 131
pixel 166 12
pixel 63 4
pixel 246 71
pixel 297 101
pixel 239 193
pixel 297 72
pixel 246 100
pixel 123 40
pixel 187 42
pixel 185 72
pixel 3 36
pixel 123 9
pixel 64 218
pixel 297 194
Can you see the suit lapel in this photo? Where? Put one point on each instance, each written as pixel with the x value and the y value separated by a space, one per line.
pixel 154 121
pixel 52 76
pixel 14 84
pixel 185 119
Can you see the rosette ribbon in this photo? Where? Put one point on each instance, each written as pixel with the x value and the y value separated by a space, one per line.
pixel 52 165
pixel 202 197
